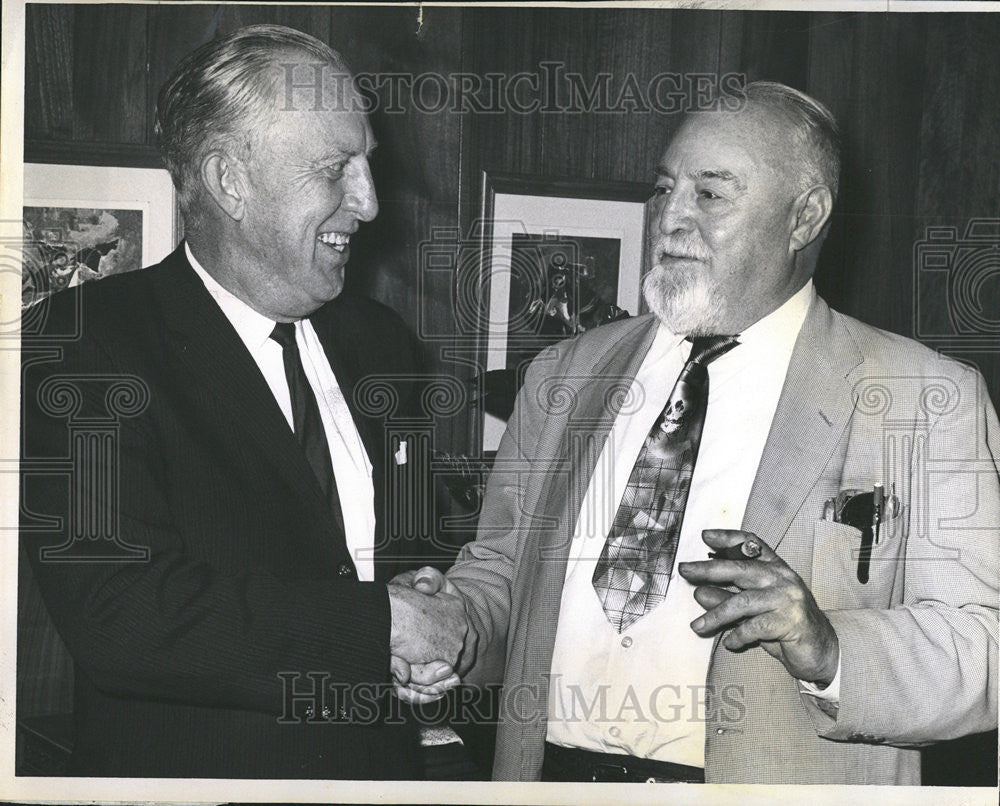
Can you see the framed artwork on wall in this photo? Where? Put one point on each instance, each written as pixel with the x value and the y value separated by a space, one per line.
pixel 84 223
pixel 559 257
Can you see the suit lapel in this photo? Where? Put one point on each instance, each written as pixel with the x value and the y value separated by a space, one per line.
pixel 345 345
pixel 598 399
pixel 815 406
pixel 346 365
pixel 223 380
pixel 583 435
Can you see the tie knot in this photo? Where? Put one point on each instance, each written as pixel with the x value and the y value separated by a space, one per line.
pixel 284 334
pixel 705 349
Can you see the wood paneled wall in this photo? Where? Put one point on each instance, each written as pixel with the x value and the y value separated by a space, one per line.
pixel 915 95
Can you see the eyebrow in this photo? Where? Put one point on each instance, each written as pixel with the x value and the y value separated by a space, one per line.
pixel 719 174
pixel 339 153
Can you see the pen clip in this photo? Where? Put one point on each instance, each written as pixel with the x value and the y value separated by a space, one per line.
pixel 878 508
pixel 830 509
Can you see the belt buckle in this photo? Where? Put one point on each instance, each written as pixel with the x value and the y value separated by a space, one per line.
pixel 603 772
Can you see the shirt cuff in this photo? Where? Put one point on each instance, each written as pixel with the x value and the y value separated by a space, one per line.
pixel 830 694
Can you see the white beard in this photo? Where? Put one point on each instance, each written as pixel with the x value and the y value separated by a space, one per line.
pixel 687 303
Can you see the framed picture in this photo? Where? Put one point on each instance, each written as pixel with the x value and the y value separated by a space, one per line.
pixel 561 256
pixel 87 222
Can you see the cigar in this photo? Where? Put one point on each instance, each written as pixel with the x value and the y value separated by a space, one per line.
pixel 747 550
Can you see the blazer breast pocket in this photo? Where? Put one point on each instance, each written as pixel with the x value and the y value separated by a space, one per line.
pixel 836 550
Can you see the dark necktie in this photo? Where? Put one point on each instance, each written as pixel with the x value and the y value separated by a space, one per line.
pixel 306 420
pixel 634 568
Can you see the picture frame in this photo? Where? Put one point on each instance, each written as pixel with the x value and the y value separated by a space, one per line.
pixel 84 222
pixel 554 252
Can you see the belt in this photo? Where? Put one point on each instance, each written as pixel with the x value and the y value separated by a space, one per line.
pixel 574 764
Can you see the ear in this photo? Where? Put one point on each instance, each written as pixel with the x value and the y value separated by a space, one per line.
pixel 222 178
pixel 812 211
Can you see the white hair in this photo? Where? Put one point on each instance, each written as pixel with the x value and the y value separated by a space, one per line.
pixel 813 126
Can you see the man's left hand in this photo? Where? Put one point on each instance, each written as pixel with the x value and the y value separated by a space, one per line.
pixel 773 608
pixel 422 683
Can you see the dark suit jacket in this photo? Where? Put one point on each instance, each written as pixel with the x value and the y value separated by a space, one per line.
pixel 188 646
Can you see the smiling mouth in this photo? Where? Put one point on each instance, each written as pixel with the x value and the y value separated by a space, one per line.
pixel 338 241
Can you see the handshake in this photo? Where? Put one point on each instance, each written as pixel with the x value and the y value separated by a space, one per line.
pixel 433 642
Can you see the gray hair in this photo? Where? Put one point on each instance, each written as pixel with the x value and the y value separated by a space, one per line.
pixel 223 94
pixel 813 126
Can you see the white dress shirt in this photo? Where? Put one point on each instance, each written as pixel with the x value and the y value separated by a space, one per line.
pixel 642 692
pixel 351 465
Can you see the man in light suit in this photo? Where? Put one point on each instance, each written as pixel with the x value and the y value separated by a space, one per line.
pixel 218 562
pixel 803 650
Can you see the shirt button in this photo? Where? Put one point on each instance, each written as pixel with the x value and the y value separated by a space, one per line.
pixel 720 731
pixel 627 641
pixel 344 570
pixel 614 732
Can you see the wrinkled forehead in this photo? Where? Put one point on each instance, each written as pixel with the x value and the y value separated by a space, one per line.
pixel 738 142
pixel 317 102
pixel 305 82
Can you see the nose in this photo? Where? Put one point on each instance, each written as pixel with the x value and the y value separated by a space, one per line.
pixel 671 211
pixel 359 196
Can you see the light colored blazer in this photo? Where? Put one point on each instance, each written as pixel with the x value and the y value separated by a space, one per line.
pixel 918 642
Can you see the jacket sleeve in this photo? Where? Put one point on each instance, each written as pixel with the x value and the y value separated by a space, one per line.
pixel 163 624
pixel 485 568
pixel 926 670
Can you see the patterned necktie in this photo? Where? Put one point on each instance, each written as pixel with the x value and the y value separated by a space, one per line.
pixel 635 565
pixel 306 419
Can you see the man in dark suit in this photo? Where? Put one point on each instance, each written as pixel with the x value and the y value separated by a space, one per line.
pixel 218 564
pixel 845 480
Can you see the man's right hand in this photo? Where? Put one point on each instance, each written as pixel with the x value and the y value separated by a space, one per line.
pixel 420 682
pixel 429 622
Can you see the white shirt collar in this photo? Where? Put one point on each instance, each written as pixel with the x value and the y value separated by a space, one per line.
pixel 779 329
pixel 253 328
